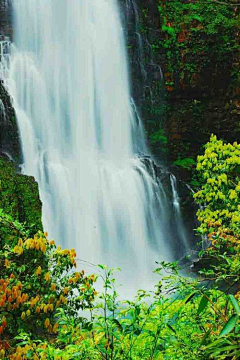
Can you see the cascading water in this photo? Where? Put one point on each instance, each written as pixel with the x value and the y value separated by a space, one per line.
pixel 2 112
pixel 80 138
pixel 180 228
pixel 4 47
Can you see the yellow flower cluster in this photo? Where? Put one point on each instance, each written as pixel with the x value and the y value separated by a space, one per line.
pixel 45 308
pixel 2 354
pixel 3 324
pixel 65 252
pixel 37 243
pixel 34 301
pixel 53 287
pixel 22 353
pixel 75 278
pixel 18 249
pixel 6 263
pixel 47 276
pixel 62 299
pixel 52 329
pixel 25 314
pixel 11 297
pixel 39 271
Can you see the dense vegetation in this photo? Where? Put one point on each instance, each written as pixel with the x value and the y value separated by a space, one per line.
pixel 51 311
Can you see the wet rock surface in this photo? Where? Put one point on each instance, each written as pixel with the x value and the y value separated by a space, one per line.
pixel 5 18
pixel 9 134
pixel 187 89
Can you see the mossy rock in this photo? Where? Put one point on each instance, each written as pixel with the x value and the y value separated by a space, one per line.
pixel 19 196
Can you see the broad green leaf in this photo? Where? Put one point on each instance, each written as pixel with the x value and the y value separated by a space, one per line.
pixel 103 267
pixel 189 297
pixel 229 325
pixel 202 305
pixel 118 324
pixel 225 348
pixel 206 336
pixel 186 300
pixel 217 343
pixel 23 343
pixel 235 304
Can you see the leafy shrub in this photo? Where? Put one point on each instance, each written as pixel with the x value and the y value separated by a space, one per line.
pixel 219 215
pixel 220 175
pixel 36 278
pixel 181 319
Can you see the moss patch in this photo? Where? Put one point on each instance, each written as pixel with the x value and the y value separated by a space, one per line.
pixel 19 196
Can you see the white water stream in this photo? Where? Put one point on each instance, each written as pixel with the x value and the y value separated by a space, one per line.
pixel 180 228
pixel 4 47
pixel 68 78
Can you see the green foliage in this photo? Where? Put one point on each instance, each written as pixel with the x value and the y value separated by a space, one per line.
pixel 180 319
pixel 158 137
pixel 19 197
pixel 209 27
pixel 186 163
pixel 220 176
pixel 167 323
pixel 158 140
pixel 219 213
pixel 36 278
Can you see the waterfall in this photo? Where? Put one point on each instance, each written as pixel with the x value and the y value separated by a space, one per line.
pixel 2 111
pixel 4 47
pixel 81 134
pixel 176 202
pixel 180 228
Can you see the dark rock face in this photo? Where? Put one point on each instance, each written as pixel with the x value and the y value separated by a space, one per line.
pixel 5 18
pixel 143 68
pixel 9 135
pixel 183 73
pixel 146 75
